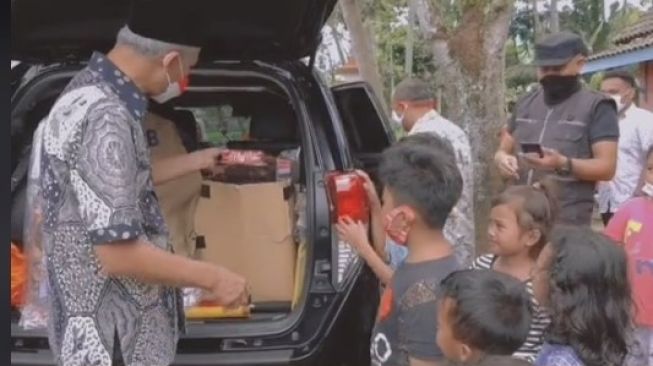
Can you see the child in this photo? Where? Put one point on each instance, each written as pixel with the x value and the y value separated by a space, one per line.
pixel 520 221
pixel 384 256
pixel 421 186
pixel 581 278
pixel 481 313
pixel 633 226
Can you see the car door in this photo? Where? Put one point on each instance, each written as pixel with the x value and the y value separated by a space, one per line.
pixel 365 123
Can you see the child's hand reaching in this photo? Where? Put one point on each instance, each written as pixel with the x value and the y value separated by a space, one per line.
pixel 372 196
pixel 354 233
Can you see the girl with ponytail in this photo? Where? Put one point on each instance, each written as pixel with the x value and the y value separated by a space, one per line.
pixel 521 221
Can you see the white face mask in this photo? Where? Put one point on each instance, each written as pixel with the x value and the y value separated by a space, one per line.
pixel 618 99
pixel 174 89
pixel 648 189
pixel 397 119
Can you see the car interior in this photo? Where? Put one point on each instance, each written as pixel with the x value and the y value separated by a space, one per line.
pixel 237 114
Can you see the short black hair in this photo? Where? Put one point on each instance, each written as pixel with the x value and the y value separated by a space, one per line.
pixel 624 75
pixel 412 90
pixel 421 172
pixel 492 311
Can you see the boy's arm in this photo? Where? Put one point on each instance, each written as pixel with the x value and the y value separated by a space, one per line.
pixel 378 266
pixel 378 233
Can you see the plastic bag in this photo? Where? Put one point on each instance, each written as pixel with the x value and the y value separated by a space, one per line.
pixel 35 311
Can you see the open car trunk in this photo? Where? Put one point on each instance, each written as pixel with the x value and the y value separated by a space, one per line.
pixel 255 228
pixel 233 30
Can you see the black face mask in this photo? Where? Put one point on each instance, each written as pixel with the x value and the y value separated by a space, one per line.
pixel 557 88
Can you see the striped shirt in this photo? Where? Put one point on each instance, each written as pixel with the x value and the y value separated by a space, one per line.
pixel 539 322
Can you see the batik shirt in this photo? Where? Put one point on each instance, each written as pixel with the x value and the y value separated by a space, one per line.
pixel 459 228
pixel 96 188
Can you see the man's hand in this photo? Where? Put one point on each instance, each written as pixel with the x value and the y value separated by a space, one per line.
pixel 206 158
pixel 507 164
pixel 551 160
pixel 354 233
pixel 228 289
pixel 372 196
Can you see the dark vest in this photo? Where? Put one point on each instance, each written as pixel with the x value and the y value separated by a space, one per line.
pixel 564 127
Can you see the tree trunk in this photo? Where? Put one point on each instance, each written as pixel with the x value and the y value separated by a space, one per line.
pixel 555 17
pixel 333 25
pixel 363 48
pixel 471 64
pixel 537 24
pixel 410 38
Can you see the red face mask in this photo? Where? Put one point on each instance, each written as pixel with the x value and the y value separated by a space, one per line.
pixel 396 226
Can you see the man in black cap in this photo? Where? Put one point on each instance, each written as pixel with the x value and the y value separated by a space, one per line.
pixel 112 275
pixel 562 129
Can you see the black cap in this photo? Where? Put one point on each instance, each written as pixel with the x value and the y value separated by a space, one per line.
pixel 168 21
pixel 558 49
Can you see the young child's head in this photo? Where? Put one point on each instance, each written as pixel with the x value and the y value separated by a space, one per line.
pixel 581 278
pixel 421 183
pixel 481 312
pixel 522 218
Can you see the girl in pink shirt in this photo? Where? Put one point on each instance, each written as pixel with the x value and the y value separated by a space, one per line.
pixel 633 226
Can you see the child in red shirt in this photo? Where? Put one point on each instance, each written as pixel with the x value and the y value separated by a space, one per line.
pixel 633 226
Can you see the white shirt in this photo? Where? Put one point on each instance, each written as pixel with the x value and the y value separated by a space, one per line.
pixel 635 138
pixel 459 229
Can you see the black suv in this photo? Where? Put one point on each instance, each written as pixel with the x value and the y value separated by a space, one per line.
pixel 259 68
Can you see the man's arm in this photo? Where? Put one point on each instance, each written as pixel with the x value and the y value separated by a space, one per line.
pixel 175 167
pixel 506 141
pixel 105 180
pixel 148 263
pixel 603 135
pixel 601 167
pixel 504 159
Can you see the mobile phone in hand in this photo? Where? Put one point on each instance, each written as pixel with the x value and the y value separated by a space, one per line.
pixel 532 148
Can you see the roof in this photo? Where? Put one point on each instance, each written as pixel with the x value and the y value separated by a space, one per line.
pixel 636 44
pixel 642 28
pixel 633 45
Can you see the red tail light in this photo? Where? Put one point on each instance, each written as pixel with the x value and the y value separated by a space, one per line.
pixel 348 197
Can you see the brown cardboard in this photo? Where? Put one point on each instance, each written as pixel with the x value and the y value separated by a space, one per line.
pixel 248 229
pixel 178 198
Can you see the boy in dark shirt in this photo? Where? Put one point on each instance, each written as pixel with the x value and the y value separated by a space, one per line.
pixel 421 186
pixel 482 314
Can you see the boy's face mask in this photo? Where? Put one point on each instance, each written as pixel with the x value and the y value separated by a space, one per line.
pixel 397 224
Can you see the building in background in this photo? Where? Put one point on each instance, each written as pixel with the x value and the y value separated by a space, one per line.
pixel 633 48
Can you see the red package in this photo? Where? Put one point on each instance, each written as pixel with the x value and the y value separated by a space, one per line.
pixel 348 196
pixel 242 157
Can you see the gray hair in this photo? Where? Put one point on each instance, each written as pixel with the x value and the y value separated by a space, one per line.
pixel 412 90
pixel 152 47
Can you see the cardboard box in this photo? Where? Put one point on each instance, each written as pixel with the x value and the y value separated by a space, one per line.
pixel 249 229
